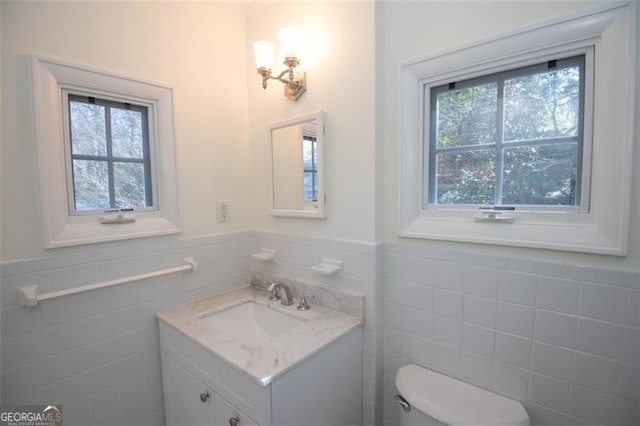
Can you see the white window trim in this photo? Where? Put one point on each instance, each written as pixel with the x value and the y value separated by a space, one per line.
pixel 604 229
pixel 60 228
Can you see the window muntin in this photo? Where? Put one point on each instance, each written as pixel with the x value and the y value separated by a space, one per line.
pixel 309 168
pixel 109 155
pixel 514 138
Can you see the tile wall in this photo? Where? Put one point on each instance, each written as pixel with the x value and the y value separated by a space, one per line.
pixel 97 352
pixel 563 339
pixel 362 271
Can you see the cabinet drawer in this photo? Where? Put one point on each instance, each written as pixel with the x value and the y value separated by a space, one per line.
pixel 228 415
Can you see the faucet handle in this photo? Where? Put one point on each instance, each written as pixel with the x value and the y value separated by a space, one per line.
pixel 304 305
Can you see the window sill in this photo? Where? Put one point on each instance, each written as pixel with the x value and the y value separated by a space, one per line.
pixel 95 232
pixel 578 236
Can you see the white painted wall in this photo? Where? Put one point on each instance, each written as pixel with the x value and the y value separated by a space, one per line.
pixel 197 48
pixel 340 61
pixel 340 65
pixel 200 48
pixel 97 352
pixel 415 30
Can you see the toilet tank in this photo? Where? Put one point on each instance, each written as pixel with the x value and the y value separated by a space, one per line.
pixel 436 399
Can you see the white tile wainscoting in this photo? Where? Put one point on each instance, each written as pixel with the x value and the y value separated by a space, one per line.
pixel 563 339
pixel 97 352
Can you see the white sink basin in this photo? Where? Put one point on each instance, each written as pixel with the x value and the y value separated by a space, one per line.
pixel 251 321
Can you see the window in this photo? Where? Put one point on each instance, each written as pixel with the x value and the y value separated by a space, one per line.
pixel 310 168
pixel 489 141
pixel 104 142
pixel 510 138
pixel 110 155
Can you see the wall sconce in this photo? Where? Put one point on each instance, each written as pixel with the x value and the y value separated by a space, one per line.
pixel 295 83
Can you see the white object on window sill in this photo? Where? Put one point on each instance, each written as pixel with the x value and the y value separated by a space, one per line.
pixel 117 218
pixel 328 266
pixel 266 255
pixel 494 217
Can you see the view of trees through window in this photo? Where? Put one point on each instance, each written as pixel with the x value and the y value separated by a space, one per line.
pixel 512 138
pixel 109 154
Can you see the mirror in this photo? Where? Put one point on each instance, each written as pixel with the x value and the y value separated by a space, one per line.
pixel 297 172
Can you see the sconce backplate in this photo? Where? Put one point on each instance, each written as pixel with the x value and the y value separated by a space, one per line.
pixel 294 92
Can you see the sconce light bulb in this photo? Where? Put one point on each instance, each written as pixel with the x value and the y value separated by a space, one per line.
pixel 290 42
pixel 264 52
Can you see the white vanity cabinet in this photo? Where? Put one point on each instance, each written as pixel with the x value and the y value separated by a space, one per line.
pixel 324 388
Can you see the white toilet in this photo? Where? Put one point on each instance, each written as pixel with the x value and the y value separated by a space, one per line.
pixel 428 398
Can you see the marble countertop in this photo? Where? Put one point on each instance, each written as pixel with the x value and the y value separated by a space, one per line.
pixel 266 359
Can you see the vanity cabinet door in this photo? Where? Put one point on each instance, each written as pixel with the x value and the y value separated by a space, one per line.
pixel 228 415
pixel 187 400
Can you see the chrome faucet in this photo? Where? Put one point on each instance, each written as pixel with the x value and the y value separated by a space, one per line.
pixel 286 298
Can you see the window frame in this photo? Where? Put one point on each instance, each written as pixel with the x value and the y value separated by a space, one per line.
pixel 584 59
pixel 50 78
pixel 611 31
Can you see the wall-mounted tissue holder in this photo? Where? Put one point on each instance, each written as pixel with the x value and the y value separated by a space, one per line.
pixel 265 255
pixel 328 266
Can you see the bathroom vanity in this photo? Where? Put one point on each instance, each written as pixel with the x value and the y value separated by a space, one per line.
pixel 241 359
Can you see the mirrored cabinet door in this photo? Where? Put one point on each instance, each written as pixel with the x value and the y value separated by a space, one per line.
pixel 297 167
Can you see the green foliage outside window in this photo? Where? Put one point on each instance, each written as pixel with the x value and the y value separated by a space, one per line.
pixel 513 138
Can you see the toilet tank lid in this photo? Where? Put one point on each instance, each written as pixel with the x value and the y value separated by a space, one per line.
pixel 456 403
